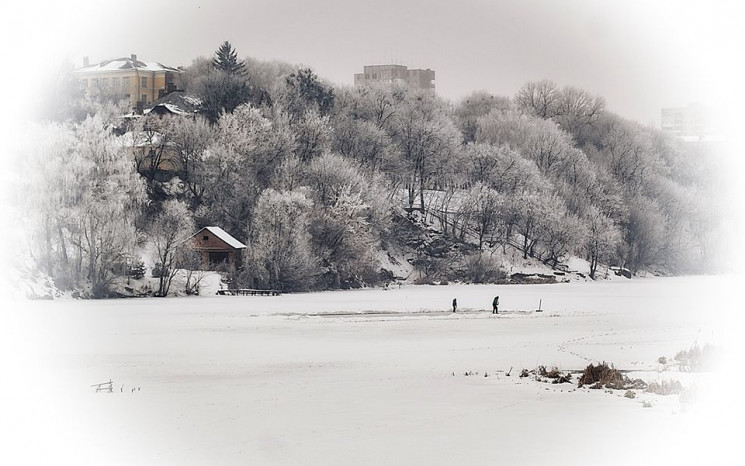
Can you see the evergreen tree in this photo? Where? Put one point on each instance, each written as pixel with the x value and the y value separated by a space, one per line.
pixel 226 59
pixel 306 91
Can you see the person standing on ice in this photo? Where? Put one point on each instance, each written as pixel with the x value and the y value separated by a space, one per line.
pixel 495 305
pixel 455 304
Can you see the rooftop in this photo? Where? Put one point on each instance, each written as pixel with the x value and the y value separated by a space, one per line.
pixel 177 102
pixel 125 64
pixel 225 236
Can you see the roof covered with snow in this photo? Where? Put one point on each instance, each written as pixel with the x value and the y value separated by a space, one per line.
pixel 225 236
pixel 178 102
pixel 125 64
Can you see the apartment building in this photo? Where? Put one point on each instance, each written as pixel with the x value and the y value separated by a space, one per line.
pixel 392 74
pixel 693 121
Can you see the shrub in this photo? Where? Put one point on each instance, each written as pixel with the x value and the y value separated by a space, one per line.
pixel 554 374
pixel 158 270
pixel 696 358
pixel 606 376
pixel 129 266
pixel 483 269
pixel 665 387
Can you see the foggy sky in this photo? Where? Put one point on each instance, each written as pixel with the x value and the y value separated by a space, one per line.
pixel 639 55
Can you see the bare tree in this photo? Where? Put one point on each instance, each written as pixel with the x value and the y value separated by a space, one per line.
pixel 603 238
pixel 191 137
pixel 169 231
pixel 427 141
pixel 539 98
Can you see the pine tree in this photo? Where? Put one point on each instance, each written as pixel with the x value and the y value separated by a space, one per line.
pixel 226 59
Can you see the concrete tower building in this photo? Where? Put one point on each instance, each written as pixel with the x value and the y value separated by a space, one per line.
pixel 392 74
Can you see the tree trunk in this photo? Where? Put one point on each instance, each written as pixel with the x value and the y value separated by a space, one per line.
pixel 421 193
pixel 593 266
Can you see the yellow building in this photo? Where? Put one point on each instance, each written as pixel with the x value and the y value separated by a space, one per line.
pixel 128 78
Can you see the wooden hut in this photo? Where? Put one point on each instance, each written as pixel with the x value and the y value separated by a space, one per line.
pixel 217 247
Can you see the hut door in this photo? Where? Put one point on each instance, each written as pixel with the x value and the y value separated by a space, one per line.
pixel 217 258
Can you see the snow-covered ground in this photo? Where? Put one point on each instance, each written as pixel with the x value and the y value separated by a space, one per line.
pixel 372 377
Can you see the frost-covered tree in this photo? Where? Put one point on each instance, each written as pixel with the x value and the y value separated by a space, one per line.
pixel 246 152
pixel 502 168
pixel 486 209
pixel 363 141
pixel 539 98
pixel 602 240
pixel 538 140
pixel 221 92
pixel 191 137
pixel 476 105
pixel 83 203
pixel 428 143
pixel 281 255
pixel 199 67
pixel 561 233
pixel 149 140
pixel 312 135
pixel 62 98
pixel 643 234
pixel 168 233
pixel 530 210
pixel 111 196
pixel 349 215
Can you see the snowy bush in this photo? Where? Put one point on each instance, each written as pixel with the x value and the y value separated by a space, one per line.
pixel 696 358
pixel 665 387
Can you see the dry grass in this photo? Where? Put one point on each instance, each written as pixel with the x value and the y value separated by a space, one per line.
pixel 605 376
pixel 541 374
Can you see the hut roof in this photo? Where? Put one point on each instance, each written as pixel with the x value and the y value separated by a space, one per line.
pixel 224 236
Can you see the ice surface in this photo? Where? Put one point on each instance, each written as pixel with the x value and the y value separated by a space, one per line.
pixel 369 377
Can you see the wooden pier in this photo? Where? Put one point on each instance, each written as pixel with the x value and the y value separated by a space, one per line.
pixel 248 292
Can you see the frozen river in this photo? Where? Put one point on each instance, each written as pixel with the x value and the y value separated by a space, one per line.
pixel 369 376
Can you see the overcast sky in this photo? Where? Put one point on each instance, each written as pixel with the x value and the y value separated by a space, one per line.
pixel 639 55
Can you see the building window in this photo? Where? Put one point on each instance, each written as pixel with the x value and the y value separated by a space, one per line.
pixel 375 75
pixel 94 82
pixel 143 81
pixel 125 81
pixel 104 82
pixel 205 238
pixel 116 82
pixel 143 98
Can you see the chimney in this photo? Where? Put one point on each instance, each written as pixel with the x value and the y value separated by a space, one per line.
pixel 86 63
pixel 133 57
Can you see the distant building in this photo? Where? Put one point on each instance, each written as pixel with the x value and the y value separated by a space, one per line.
pixel 175 103
pixel 391 74
pixel 217 247
pixel 692 123
pixel 129 78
